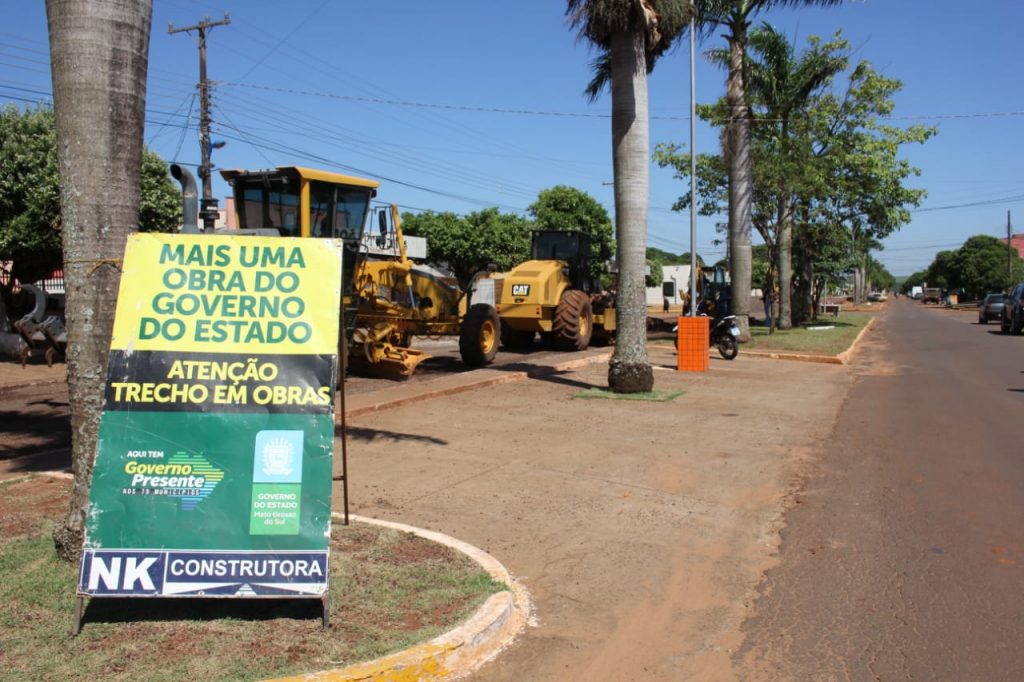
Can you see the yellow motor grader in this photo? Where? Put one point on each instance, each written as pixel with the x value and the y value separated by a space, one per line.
pixel 397 299
pixel 386 298
pixel 554 294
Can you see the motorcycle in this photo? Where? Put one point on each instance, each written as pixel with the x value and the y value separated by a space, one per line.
pixel 723 335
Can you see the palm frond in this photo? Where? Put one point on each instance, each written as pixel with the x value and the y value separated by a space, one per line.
pixel 602 68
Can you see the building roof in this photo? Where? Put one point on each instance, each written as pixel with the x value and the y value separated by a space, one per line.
pixel 1017 242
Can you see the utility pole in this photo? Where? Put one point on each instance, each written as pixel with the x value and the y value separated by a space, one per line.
pixel 1009 251
pixel 208 205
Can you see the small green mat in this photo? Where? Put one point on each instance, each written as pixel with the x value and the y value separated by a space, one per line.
pixel 606 394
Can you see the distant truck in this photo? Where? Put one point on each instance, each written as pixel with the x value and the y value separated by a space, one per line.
pixel 917 293
pixel 932 295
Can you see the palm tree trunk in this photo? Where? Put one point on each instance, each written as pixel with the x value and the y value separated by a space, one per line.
pixel 786 261
pixel 99 57
pixel 629 370
pixel 740 184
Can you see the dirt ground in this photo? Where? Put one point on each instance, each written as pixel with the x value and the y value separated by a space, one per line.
pixel 641 529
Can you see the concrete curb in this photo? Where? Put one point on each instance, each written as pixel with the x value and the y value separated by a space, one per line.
pixel 848 353
pixel 799 357
pixel 458 652
pixel 504 378
pixel 840 359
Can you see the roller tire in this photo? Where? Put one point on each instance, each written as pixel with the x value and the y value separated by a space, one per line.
pixel 573 324
pixel 480 335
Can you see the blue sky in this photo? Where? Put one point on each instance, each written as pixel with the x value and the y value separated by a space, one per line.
pixel 464 104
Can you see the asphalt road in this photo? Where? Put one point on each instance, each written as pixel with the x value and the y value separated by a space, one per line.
pixel 904 558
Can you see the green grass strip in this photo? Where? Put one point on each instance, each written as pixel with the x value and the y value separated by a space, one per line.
pixel 649 396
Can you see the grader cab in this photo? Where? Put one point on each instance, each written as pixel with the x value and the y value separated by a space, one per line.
pixel 386 299
pixel 292 201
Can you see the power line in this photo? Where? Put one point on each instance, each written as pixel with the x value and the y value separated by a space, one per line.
pixel 568 114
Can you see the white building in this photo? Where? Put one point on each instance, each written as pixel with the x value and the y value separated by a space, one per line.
pixel 676 280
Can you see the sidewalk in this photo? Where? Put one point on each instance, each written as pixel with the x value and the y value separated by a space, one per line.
pixel 34 373
pixel 641 529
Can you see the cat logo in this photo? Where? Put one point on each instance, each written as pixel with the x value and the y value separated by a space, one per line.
pixel 520 289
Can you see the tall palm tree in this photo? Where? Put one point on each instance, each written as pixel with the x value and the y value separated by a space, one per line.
pixel 782 84
pixel 735 17
pixel 99 52
pixel 631 34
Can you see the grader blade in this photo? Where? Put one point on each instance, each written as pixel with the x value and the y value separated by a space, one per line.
pixel 389 362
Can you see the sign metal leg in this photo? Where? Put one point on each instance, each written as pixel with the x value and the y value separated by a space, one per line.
pixel 76 625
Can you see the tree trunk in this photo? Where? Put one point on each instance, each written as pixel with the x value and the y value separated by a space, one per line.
pixel 786 262
pixel 99 56
pixel 740 184
pixel 629 370
pixel 803 298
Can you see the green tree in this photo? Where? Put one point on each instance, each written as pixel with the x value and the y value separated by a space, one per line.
pixel 878 276
pixel 657 273
pixel 783 85
pixel 977 268
pixel 916 279
pixel 859 180
pixel 30 209
pixel 735 17
pixel 471 243
pixel 567 208
pixel 159 199
pixel 631 35
pixel 29 192
pixel 99 58
pixel 668 258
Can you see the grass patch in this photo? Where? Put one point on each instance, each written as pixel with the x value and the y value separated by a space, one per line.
pixel 844 330
pixel 607 394
pixel 389 590
pixel 838 338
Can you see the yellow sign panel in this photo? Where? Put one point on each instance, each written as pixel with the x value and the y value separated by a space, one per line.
pixel 229 294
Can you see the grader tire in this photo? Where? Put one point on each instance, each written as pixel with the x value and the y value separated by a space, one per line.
pixel 573 324
pixel 480 335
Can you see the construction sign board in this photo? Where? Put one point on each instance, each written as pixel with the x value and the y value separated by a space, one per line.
pixel 213 467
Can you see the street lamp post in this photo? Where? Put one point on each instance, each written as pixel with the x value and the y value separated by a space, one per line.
pixel 693 170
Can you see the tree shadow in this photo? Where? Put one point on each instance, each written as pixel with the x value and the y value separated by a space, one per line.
pixel 158 609
pixel 36 432
pixel 366 435
pixel 545 373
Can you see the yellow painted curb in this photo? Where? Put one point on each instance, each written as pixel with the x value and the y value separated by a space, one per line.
pixel 458 652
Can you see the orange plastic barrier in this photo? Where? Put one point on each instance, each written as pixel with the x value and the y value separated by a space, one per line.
pixel 692 341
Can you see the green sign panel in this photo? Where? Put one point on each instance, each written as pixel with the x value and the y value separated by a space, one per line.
pixel 214 461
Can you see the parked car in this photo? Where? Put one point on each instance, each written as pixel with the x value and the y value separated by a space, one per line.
pixel 877 296
pixel 991 308
pixel 1012 318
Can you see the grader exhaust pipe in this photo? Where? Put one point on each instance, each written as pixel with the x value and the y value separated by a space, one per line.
pixel 189 199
